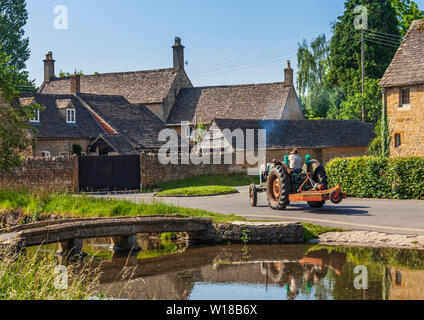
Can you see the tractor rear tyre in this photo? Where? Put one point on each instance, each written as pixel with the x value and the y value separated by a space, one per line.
pixel 320 176
pixel 278 186
pixel 253 195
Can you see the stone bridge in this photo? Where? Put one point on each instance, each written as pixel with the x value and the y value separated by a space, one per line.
pixel 70 233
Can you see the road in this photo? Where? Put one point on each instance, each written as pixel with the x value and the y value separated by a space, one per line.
pixel 390 216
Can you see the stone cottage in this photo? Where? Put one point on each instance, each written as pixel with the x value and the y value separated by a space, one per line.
pixel 322 139
pixel 403 88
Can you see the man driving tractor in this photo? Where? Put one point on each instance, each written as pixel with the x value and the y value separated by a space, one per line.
pixel 295 161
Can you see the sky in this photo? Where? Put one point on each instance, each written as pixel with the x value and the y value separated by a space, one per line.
pixel 227 42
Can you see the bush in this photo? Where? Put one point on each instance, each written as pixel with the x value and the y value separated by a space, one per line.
pixel 76 149
pixel 378 177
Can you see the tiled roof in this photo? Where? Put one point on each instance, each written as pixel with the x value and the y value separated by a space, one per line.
pixel 407 67
pixel 118 142
pixel 136 123
pixel 143 87
pixel 257 101
pixel 305 133
pixel 53 122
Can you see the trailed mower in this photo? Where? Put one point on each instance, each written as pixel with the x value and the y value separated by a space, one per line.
pixel 284 186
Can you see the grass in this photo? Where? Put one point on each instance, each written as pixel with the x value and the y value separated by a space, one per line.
pixel 38 205
pixel 232 180
pixel 312 231
pixel 198 191
pixel 31 276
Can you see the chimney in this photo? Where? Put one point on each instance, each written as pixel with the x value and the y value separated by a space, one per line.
pixel 288 74
pixel 75 84
pixel 49 67
pixel 178 55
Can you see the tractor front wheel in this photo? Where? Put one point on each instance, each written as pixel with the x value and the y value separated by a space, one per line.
pixel 253 195
pixel 278 188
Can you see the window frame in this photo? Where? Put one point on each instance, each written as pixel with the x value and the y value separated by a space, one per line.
pixel 71 113
pixel 36 118
pixel 398 140
pixel 46 154
pixel 402 90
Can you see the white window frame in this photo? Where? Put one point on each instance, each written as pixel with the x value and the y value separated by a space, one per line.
pixel 71 116
pixel 46 154
pixel 36 118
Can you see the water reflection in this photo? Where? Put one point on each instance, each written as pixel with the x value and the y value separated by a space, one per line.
pixel 178 271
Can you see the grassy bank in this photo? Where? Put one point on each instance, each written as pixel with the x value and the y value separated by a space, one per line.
pixel 198 191
pixel 35 277
pixel 36 205
pixel 312 231
pixel 232 180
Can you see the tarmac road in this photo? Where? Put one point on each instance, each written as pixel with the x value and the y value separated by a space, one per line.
pixel 390 216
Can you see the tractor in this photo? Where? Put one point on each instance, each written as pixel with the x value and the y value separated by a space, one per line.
pixel 284 186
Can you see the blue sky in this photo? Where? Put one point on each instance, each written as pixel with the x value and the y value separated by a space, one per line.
pixel 128 35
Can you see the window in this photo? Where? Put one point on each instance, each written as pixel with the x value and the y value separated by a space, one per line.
pixel 45 154
pixel 36 118
pixel 70 116
pixel 406 97
pixel 398 140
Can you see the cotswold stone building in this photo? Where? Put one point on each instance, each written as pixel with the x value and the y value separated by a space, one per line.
pixel 123 112
pixel 403 86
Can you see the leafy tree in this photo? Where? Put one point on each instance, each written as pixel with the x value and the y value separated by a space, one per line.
pixel 14 125
pixel 345 46
pixel 372 99
pixel 63 74
pixel 406 11
pixel 13 17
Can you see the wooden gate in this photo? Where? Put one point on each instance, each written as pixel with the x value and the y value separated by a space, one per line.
pixel 109 173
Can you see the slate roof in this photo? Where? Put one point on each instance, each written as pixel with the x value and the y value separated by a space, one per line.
pixel 289 134
pixel 139 87
pixel 136 123
pixel 255 101
pixel 407 67
pixel 118 142
pixel 53 122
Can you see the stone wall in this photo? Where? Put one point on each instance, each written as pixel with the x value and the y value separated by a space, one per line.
pixel 153 172
pixel 55 146
pixel 41 174
pixel 408 121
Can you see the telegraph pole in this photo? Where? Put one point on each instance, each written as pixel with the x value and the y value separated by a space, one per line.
pixel 363 71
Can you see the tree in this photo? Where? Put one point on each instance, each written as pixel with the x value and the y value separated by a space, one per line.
pixel 14 124
pixel 372 99
pixel 13 17
pixel 63 74
pixel 406 12
pixel 345 45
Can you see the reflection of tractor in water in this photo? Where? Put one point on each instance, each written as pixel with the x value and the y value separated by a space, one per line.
pixel 284 186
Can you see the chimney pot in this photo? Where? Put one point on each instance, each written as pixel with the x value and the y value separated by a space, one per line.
pixel 75 82
pixel 288 74
pixel 49 67
pixel 178 54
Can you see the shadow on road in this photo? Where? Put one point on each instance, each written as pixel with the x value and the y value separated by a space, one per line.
pixel 339 210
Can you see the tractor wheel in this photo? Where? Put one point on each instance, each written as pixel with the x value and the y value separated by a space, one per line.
pixel 278 185
pixel 320 176
pixel 253 195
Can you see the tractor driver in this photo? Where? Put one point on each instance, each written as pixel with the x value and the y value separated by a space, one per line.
pixel 295 160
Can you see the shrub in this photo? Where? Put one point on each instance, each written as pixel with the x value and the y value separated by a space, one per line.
pixel 76 149
pixel 379 177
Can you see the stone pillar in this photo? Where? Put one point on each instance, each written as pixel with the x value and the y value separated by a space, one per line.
pixel 71 248
pixel 125 243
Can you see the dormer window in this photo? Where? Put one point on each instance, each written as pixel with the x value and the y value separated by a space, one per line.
pixel 70 116
pixel 406 97
pixel 36 118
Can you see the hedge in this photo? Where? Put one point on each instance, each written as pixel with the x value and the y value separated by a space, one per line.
pixel 378 177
